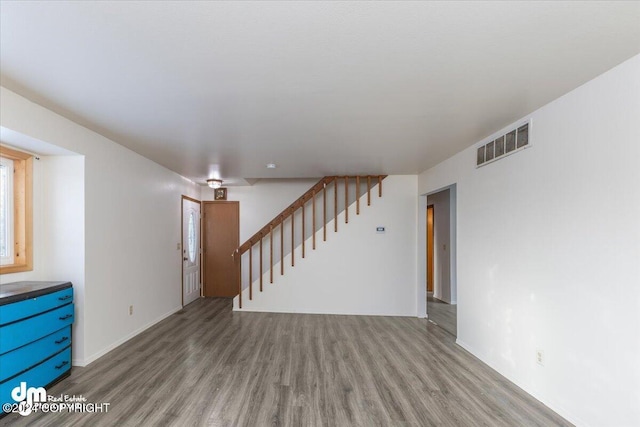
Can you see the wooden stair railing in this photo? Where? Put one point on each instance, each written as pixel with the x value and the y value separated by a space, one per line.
pixel 310 195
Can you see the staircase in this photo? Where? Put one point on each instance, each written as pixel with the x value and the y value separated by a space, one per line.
pixel 345 188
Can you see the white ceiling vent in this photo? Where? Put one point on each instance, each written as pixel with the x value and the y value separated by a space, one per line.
pixel 508 143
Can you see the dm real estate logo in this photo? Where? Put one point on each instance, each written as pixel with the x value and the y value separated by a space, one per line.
pixel 26 399
pixel 35 399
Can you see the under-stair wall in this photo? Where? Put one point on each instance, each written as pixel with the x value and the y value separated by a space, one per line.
pixel 334 204
pixel 262 201
pixel 356 270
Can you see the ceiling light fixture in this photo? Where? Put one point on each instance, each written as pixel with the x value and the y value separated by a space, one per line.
pixel 271 165
pixel 214 183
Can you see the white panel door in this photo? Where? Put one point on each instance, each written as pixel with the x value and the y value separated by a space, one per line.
pixel 190 251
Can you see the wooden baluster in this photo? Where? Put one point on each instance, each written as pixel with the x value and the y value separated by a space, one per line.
pixel 281 246
pixel 313 221
pixel 303 229
pixel 250 270
pixel 324 212
pixel 271 253
pixel 260 271
pixel 379 185
pixel 293 234
pixel 346 200
pixel 368 190
pixel 335 205
pixel 358 195
pixel 237 258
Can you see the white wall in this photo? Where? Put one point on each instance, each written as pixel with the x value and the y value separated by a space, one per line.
pixel 262 201
pixel 62 236
pixel 132 227
pixel 548 251
pixel 356 271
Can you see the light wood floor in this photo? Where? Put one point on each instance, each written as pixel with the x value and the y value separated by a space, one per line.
pixel 207 365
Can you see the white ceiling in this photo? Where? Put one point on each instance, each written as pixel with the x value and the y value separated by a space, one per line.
pixel 219 89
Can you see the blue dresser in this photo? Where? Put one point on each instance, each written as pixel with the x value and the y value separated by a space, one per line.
pixel 35 334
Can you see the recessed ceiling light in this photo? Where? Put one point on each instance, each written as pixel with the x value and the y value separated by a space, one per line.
pixel 271 165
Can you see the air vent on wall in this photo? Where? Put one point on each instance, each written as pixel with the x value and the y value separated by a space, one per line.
pixel 508 143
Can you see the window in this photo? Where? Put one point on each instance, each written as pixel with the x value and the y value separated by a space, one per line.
pixel 16 217
pixel 6 211
pixel 192 238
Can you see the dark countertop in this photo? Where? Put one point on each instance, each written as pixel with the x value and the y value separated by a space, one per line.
pixel 19 291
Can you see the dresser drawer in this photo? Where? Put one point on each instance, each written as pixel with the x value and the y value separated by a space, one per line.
pixel 29 355
pixel 38 376
pixel 17 334
pixel 30 307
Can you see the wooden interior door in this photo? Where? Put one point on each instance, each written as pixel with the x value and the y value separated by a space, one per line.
pixel 430 248
pixel 221 236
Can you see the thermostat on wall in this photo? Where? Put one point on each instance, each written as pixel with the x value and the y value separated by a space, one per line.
pixel 379 230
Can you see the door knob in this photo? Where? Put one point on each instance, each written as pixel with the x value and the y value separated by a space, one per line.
pixel 185 259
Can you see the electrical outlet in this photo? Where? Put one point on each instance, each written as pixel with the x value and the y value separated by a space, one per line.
pixel 130 310
pixel 540 357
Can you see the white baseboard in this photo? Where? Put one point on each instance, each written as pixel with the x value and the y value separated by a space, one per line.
pixel 333 313
pixel 99 354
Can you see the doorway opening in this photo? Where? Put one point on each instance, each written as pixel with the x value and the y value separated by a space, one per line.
pixel 441 253
pixel 191 251
pixel 430 249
